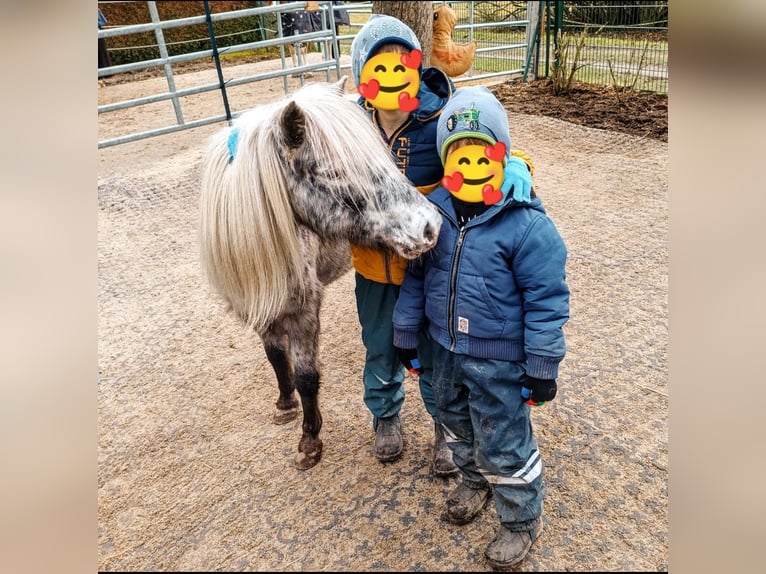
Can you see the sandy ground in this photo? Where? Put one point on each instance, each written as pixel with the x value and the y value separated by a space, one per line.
pixel 192 474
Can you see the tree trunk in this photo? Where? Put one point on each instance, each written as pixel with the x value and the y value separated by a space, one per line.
pixel 419 16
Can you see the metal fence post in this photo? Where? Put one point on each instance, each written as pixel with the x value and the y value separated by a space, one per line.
pixel 532 39
pixel 155 15
pixel 216 57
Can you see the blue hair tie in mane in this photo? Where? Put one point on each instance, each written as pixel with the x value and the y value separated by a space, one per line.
pixel 232 142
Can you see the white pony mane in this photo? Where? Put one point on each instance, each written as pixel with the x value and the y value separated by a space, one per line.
pixel 250 246
pixel 341 135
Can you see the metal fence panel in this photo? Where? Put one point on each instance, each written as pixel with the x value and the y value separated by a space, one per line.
pixel 511 45
pixel 623 44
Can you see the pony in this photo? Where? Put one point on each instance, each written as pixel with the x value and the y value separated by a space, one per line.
pixel 284 191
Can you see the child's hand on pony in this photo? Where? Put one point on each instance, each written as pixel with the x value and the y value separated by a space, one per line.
pixel 517 176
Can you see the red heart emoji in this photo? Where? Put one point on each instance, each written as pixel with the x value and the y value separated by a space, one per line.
pixel 370 89
pixel 495 152
pixel 406 103
pixel 413 59
pixel 491 195
pixel 453 182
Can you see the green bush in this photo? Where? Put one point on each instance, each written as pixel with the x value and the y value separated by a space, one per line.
pixel 181 40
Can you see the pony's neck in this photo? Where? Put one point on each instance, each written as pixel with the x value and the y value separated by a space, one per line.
pixel 391 120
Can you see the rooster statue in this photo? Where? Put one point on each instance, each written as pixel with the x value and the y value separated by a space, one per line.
pixel 453 59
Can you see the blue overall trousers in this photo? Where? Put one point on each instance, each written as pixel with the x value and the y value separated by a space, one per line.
pixel 488 428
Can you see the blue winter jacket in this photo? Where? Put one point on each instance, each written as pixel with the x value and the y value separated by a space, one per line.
pixel 413 146
pixel 495 289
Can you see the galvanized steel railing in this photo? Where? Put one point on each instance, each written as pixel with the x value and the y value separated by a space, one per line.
pixel 328 63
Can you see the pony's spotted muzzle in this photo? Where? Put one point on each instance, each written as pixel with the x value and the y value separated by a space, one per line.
pixel 431 234
pixel 427 240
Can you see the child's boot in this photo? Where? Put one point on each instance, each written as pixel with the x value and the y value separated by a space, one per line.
pixel 466 501
pixel 509 548
pixel 442 456
pixel 388 439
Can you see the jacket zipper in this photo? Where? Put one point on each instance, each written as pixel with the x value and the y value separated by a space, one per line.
pixel 453 288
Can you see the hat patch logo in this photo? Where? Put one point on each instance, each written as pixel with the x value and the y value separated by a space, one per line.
pixel 468 118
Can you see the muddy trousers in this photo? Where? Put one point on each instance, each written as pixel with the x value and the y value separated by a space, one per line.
pixel 383 374
pixel 489 430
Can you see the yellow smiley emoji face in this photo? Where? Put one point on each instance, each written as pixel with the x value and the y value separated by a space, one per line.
pixel 390 81
pixel 471 174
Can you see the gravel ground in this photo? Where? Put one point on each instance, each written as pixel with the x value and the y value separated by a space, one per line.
pixel 192 474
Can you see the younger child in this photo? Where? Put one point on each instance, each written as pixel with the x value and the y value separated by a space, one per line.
pixel 494 296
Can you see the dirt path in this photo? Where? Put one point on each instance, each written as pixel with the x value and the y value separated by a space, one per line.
pixel 194 476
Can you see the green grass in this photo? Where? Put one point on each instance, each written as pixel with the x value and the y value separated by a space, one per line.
pixel 590 75
pixel 248 55
pixel 599 73
pixel 600 48
pixel 488 64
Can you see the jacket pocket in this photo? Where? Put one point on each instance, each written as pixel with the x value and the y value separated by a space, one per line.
pixel 476 312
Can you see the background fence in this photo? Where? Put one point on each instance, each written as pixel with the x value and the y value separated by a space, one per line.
pixel 613 43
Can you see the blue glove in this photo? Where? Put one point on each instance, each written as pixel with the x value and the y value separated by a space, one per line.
pixel 517 175
pixel 536 392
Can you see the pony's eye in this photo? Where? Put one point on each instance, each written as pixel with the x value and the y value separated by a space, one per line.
pixel 463 160
pixel 379 68
pixel 483 160
pixel 399 68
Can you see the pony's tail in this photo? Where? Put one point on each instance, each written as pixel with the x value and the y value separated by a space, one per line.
pixel 248 239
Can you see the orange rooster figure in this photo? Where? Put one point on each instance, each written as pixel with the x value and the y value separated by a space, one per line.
pixel 452 58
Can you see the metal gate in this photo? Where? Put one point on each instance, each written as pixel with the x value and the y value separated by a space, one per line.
pixel 620 44
pixel 504 49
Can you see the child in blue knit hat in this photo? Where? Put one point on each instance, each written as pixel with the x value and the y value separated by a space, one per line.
pixel 404 101
pixel 494 298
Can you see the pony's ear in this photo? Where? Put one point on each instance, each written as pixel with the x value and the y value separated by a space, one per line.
pixel 340 85
pixel 293 124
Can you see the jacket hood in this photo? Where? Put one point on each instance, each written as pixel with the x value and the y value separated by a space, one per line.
pixel 473 112
pixel 436 89
pixel 379 29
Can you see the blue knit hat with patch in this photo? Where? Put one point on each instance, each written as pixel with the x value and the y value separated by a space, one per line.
pixel 379 29
pixel 472 112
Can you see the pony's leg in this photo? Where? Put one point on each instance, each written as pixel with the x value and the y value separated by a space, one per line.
pixel 277 349
pixel 303 328
pixel 310 445
pixel 291 344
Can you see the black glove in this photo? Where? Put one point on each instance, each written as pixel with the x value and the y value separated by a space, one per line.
pixel 409 358
pixel 536 392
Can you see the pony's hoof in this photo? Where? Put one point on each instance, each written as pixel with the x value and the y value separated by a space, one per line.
pixel 285 416
pixel 306 460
